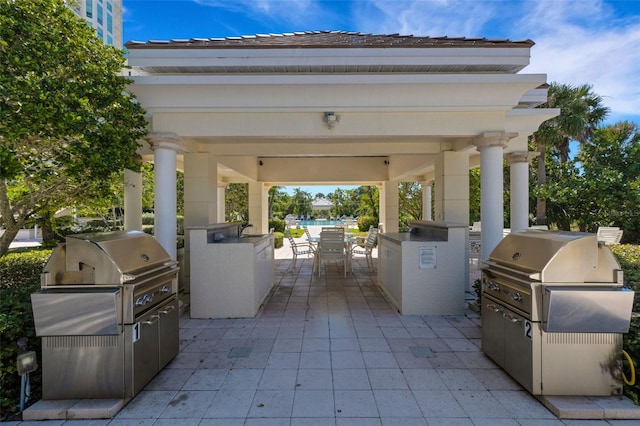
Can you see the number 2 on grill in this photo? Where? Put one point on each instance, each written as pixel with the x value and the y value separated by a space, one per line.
pixel 528 330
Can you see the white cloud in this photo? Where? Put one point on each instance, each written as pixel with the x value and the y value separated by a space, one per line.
pixel 583 43
pixel 292 12
pixel 453 18
pixel 577 41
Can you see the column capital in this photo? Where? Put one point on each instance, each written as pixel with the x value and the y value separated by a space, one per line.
pixel 521 156
pixel 167 140
pixel 491 139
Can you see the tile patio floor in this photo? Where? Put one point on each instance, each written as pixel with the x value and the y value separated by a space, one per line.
pixel 331 351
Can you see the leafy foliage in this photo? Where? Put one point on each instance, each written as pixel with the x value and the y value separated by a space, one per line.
pixel 345 202
pixel 237 202
pixel 600 186
pixel 366 222
pixel 409 204
pixel 277 225
pixel 19 277
pixel 581 111
pixel 629 258
pixel 67 122
pixel 278 239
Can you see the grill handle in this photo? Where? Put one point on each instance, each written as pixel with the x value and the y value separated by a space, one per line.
pixel 511 318
pixel 144 276
pixel 166 310
pixel 152 319
pixel 514 274
pixel 495 308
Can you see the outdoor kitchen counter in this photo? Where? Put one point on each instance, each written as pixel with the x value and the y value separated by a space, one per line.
pixel 424 271
pixel 230 276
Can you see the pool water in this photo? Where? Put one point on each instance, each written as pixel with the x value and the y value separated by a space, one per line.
pixel 319 222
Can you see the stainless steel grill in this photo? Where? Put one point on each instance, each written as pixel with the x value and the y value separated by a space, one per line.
pixel 107 312
pixel 553 312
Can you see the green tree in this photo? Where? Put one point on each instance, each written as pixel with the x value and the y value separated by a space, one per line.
pixel 609 190
pixel 581 111
pixel 148 187
pixel 67 122
pixel 301 202
pixel 345 202
pixel 474 195
pixel 369 202
pixel 409 203
pixel 281 202
pixel 237 202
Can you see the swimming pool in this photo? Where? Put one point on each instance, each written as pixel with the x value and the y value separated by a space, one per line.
pixel 319 222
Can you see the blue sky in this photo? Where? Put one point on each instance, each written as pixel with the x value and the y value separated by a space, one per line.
pixel 577 41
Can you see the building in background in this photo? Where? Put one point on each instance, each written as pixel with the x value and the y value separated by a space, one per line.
pixel 103 15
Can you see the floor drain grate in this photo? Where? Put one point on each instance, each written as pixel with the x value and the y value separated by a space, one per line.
pixel 239 352
pixel 421 352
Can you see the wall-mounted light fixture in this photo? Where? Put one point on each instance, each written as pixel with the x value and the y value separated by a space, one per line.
pixel 331 119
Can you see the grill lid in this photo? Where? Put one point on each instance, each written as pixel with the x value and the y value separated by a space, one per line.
pixel 550 256
pixel 106 258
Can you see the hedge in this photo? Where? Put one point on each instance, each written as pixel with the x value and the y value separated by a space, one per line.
pixel 19 277
pixel 628 256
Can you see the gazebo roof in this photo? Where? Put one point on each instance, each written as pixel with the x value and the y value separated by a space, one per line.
pixel 321 203
pixel 327 39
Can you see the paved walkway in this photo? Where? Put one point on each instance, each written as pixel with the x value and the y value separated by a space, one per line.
pixel 332 351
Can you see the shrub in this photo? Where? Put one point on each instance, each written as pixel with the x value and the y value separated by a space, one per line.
pixel 366 222
pixel 278 225
pixel 278 239
pixel 19 277
pixel 147 218
pixel 629 258
pixel 180 225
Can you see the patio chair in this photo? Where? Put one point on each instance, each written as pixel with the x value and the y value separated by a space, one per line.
pixel 299 249
pixel 332 248
pixel 609 234
pixel 332 229
pixel 367 246
pixel 308 234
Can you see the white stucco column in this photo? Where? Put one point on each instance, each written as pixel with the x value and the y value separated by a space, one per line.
pixel 132 200
pixel 519 202
pixel 426 200
pixel 258 206
pixel 389 205
pixel 452 187
pixel 165 148
pixel 491 146
pixel 221 193
pixel 200 189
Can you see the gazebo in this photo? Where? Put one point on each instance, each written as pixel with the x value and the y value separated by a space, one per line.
pixel 335 107
pixel 321 204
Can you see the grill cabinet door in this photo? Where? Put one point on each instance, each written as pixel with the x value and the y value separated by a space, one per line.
pixel 493 330
pixel 168 332
pixel 145 351
pixel 518 351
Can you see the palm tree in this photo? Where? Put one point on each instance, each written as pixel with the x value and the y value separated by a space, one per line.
pixel 581 111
